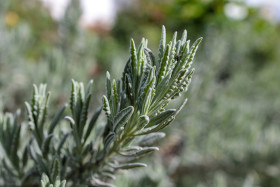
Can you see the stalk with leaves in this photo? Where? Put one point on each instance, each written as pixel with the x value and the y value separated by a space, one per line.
pixel 84 151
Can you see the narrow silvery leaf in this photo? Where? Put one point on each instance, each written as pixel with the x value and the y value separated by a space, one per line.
pixel 15 144
pixel 108 85
pixel 176 83
pixel 181 106
pixel 74 128
pixel 142 122
pixel 85 106
pixel 81 92
pixel 25 157
pixel 79 104
pixel 108 169
pixel 133 57
pixel 119 89
pixel 149 83
pixel 140 50
pixel 150 57
pixel 13 127
pixel 97 182
pixel 183 85
pixel 140 58
pixel 151 139
pixel 61 143
pixel 181 76
pixel 140 152
pixel 62 183
pixel 45 110
pixel 129 89
pixel 45 180
pixel 106 106
pixel 86 149
pixel 144 82
pixel 122 118
pixel 162 43
pixel 146 43
pixel 184 36
pixel 181 57
pixel 58 116
pixel 108 175
pixel 46 144
pixel 35 105
pixel 161 87
pixel 143 66
pixel 71 120
pixel 92 123
pixel 129 166
pixel 115 98
pixel 57 182
pixel 162 117
pixel 84 114
pixel 73 98
pixel 147 101
pixel 32 124
pixel 152 75
pixel 55 170
pixel 108 141
pixel 34 95
pixel 178 48
pixel 164 124
pixel 155 128
pixel 174 40
pixel 89 87
pixel 7 168
pixel 132 148
pixel 172 52
pixel 194 49
pixel 164 64
pixel 127 70
pixel 188 46
pixel 41 165
pixel 29 111
pixel 31 150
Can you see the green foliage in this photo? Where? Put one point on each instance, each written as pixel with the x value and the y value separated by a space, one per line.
pixel 45 182
pixel 62 51
pixel 82 150
pixel 229 137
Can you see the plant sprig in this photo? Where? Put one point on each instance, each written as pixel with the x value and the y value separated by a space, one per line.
pixel 84 152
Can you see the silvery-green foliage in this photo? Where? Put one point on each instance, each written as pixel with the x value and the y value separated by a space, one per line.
pixel 84 152
pixel 45 182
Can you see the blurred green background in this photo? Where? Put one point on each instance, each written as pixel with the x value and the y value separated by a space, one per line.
pixel 229 132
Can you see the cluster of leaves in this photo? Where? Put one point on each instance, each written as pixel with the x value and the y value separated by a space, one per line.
pixel 84 152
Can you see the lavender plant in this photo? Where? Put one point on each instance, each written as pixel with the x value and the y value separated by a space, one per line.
pixel 81 149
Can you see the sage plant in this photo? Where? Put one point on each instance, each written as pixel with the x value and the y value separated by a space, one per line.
pixel 74 148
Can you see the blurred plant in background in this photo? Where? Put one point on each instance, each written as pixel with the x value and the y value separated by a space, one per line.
pixel 60 50
pixel 230 133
